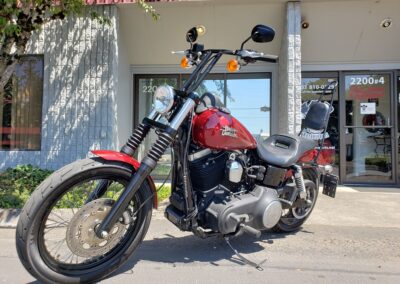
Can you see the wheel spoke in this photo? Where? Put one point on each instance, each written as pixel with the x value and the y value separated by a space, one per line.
pixel 75 221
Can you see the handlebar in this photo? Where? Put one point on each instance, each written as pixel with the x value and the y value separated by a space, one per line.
pixel 205 60
pixel 245 54
pixel 251 55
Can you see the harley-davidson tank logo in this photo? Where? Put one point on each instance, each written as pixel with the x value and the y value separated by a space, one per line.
pixel 228 131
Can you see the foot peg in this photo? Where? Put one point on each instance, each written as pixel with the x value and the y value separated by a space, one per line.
pixel 250 230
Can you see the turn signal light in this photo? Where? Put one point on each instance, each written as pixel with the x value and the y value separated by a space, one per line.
pixel 185 63
pixel 233 65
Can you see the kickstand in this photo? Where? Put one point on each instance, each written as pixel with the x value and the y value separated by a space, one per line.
pixel 245 260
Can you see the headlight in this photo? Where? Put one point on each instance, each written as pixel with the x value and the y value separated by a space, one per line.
pixel 163 99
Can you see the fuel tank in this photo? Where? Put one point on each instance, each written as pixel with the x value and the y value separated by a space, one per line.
pixel 219 130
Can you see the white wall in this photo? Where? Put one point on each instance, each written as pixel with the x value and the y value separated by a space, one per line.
pixel 124 99
pixel 349 32
pixel 150 42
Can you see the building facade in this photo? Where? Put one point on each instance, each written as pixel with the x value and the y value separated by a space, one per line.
pixel 97 80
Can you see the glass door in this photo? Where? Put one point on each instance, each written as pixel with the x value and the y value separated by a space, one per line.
pixel 368 128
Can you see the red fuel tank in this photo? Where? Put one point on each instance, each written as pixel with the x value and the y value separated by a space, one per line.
pixel 219 130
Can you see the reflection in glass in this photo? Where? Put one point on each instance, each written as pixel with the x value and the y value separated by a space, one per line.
pixel 368 143
pixel 215 87
pixel 21 106
pixel 368 157
pixel 249 102
pixel 311 89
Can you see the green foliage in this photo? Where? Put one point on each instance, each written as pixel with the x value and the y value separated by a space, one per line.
pixel 163 192
pixel 148 9
pixel 16 185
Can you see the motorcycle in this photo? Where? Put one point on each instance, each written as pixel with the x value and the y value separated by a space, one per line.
pixel 86 219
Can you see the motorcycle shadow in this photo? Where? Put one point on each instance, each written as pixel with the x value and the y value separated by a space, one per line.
pixel 188 249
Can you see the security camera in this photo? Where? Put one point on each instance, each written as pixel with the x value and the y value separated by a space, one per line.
pixel 386 23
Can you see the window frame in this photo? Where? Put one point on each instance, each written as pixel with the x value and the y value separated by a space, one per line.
pixel 40 56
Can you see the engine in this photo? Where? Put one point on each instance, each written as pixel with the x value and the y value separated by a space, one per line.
pixel 226 197
pixel 259 209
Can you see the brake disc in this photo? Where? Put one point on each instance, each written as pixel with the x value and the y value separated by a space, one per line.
pixel 81 236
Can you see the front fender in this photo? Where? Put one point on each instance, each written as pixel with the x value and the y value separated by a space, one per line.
pixel 121 157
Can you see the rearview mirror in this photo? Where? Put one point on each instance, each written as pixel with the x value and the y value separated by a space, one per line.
pixel 193 33
pixel 261 33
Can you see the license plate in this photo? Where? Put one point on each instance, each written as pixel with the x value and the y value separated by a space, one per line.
pixel 330 184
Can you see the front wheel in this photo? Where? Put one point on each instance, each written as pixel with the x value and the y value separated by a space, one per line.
pixel 55 236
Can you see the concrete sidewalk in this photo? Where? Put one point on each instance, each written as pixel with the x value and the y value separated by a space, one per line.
pixel 361 207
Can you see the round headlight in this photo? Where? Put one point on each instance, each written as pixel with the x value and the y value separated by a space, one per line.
pixel 163 99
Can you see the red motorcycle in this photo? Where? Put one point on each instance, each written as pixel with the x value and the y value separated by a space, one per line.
pixel 86 219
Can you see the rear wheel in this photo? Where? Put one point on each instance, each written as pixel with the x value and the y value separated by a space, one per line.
pixel 292 219
pixel 55 236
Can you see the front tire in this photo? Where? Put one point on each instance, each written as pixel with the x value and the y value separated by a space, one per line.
pixel 47 214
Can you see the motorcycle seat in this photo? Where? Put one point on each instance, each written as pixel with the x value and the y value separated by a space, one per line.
pixel 284 150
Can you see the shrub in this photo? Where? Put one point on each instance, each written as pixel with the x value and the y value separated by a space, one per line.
pixel 16 185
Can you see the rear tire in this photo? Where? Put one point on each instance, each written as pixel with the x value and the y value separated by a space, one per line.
pixel 285 227
pixel 30 231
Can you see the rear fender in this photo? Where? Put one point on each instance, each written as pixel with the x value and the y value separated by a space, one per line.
pixel 121 157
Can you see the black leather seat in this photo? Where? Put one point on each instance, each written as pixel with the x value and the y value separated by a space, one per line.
pixel 284 150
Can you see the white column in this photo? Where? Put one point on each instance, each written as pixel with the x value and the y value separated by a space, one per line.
pixel 289 97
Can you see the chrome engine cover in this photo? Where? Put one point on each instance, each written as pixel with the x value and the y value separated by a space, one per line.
pixel 260 209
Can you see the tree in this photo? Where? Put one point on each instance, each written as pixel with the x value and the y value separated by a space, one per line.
pixel 20 18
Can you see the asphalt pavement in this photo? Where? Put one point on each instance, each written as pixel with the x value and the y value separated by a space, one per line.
pixel 354 238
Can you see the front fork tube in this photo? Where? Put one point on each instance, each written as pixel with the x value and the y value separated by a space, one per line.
pixel 146 167
pixel 129 149
pixel 148 164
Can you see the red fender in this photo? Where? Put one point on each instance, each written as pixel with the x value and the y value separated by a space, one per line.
pixel 121 157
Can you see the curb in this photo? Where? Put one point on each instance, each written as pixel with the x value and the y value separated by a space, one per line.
pixel 9 217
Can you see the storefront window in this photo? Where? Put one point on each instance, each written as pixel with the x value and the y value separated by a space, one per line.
pixel 248 98
pixel 21 106
pixel 312 88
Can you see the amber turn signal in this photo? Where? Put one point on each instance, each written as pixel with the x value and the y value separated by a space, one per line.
pixel 185 63
pixel 233 65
